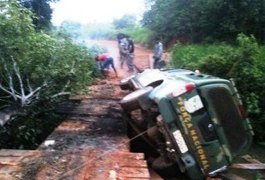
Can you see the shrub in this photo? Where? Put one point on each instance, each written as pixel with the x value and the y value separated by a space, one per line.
pixel 38 70
pixel 35 65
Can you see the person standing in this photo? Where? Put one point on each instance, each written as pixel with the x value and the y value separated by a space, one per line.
pixel 130 57
pixel 122 45
pixel 157 53
pixel 126 47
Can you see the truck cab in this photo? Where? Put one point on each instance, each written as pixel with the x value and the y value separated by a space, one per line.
pixel 195 121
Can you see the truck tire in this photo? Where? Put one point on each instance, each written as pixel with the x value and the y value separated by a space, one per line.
pixel 125 83
pixel 130 102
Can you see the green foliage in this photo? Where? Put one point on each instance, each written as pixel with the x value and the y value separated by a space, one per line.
pixel 244 63
pixel 42 12
pixel 37 71
pixel 28 132
pixel 95 49
pixel 205 20
pixel 188 56
pixel 73 28
pixel 40 57
pixel 126 21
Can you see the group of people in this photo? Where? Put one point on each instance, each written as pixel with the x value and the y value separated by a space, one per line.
pixel 126 50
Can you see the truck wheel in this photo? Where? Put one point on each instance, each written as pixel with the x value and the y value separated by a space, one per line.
pixel 124 83
pixel 130 102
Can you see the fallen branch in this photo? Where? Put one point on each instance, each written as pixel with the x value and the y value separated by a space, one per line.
pixel 21 92
pixel 20 96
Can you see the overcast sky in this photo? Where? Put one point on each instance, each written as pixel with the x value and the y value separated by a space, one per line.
pixel 87 11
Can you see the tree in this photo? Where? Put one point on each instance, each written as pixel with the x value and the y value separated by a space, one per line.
pixel 35 67
pixel 205 20
pixel 125 21
pixel 73 28
pixel 41 10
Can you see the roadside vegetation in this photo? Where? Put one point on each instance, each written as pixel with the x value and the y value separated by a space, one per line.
pixel 38 70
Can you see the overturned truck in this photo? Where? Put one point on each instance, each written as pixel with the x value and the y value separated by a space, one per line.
pixel 194 121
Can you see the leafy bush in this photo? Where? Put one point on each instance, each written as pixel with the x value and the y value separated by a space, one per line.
pixel 204 20
pixel 28 132
pixel 138 34
pixel 37 71
pixel 35 65
pixel 189 55
pixel 243 62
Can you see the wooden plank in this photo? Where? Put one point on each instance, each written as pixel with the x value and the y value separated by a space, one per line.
pixel 72 125
pixel 9 169
pixel 135 163
pixel 8 177
pixel 248 158
pixel 129 155
pixel 10 160
pixel 10 172
pixel 17 153
pixel 250 166
pixel 15 157
pixel 5 177
pixel 127 172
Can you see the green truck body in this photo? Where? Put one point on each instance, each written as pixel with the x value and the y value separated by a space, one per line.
pixel 194 120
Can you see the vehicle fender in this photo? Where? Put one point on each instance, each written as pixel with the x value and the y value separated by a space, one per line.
pixel 166 110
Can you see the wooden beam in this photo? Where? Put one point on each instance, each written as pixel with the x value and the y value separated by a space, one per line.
pixel 250 166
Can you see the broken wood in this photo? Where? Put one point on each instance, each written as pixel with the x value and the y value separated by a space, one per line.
pixel 253 164
pixel 248 158
pixel 249 166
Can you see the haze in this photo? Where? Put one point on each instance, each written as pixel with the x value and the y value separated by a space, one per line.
pixel 95 11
